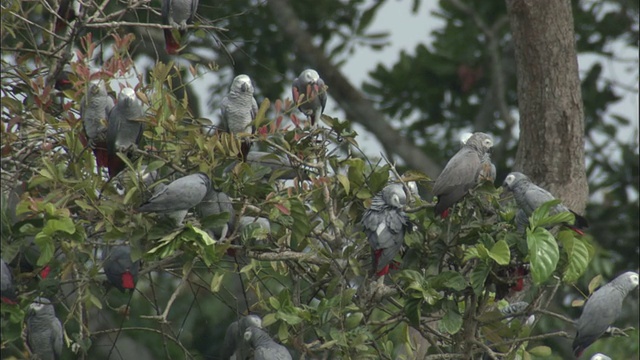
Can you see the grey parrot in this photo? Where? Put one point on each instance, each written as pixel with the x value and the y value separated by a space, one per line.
pixel 310 95
pixel 120 270
pixel 7 290
pixel 462 172
pixel 385 224
pixel 264 348
pixel 488 170
pixel 518 307
pixel 530 196
pixel 602 309
pixel 232 346
pixel 217 202
pixel 599 356
pixel 124 128
pixel 177 13
pixel 238 109
pixel 43 330
pixel 179 196
pixel 95 107
pixel 277 163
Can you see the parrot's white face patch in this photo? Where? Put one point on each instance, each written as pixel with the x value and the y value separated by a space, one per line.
pixel 510 178
pixel 634 279
pixel 255 321
pixel 487 143
pixel 247 335
pixel 36 306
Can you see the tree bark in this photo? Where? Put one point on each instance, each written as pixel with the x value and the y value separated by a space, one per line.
pixel 551 147
pixel 350 99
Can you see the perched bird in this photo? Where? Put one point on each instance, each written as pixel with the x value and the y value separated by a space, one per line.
pixel 530 196
pixel 385 224
pixel 124 128
pixel 599 356
pixel 68 11
pixel 602 309
pixel 239 109
pixel 120 270
pixel 488 169
pixel 214 203
pixel 95 107
pixel 264 348
pixel 43 330
pixel 233 339
pixel 310 95
pixel 177 13
pixel 518 307
pixel 179 196
pixel 462 172
pixel 7 290
pixel 278 164
pixel 62 81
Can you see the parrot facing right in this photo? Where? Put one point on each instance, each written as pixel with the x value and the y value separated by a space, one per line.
pixel 602 309
pixel 462 172
pixel 530 196
pixel 233 339
pixel 7 290
pixel 120 270
pixel 310 95
pixel 177 13
pixel 217 202
pixel 43 330
pixel 239 109
pixel 124 128
pixel 264 348
pixel 95 107
pixel 488 169
pixel 385 224
pixel 599 356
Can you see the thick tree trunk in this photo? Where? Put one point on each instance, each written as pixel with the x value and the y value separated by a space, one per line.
pixel 551 148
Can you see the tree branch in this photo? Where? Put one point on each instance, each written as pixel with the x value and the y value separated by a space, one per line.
pixel 349 98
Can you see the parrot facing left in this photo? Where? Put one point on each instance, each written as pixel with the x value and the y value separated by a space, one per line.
pixel 530 196
pixel 43 330
pixel 124 128
pixel 264 348
pixel 385 224
pixel 177 13
pixel 120 270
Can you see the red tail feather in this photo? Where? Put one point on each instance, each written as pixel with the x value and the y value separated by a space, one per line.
pixel 115 165
pixel 45 272
pixel 578 231
pixel 171 45
pixel 127 281
pixel 444 214
pixel 102 157
pixel 6 300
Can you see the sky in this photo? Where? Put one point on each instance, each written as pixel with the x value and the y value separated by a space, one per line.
pixel 407 30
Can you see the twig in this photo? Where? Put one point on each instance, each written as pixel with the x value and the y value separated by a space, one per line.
pixel 287 255
pixel 117 24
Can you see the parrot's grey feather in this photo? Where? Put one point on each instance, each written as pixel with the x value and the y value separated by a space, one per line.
pixel 263 345
pixel 44 330
pixel 233 345
pixel 602 309
pixel 313 88
pixel 181 194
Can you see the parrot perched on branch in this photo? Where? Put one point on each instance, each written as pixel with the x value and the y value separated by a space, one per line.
pixel 43 330
pixel 462 172
pixel 177 13
pixel 95 107
pixel 124 128
pixel 530 196
pixel 239 109
pixel 120 270
pixel 310 95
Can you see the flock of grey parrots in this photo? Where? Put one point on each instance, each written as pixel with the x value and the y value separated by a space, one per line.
pixel 384 222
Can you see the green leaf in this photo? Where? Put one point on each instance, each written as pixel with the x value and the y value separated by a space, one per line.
pixel 542 351
pixel 216 282
pixel 577 256
pixel 413 311
pixel 478 277
pixel 301 225
pixel 448 279
pixel 452 320
pixel 289 318
pixel 63 224
pixel 260 116
pixel 595 283
pixel 45 244
pixel 344 180
pixel 500 253
pixel 542 212
pixel 543 254
pixel 559 218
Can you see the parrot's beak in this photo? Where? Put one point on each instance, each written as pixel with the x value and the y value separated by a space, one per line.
pixel 244 87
